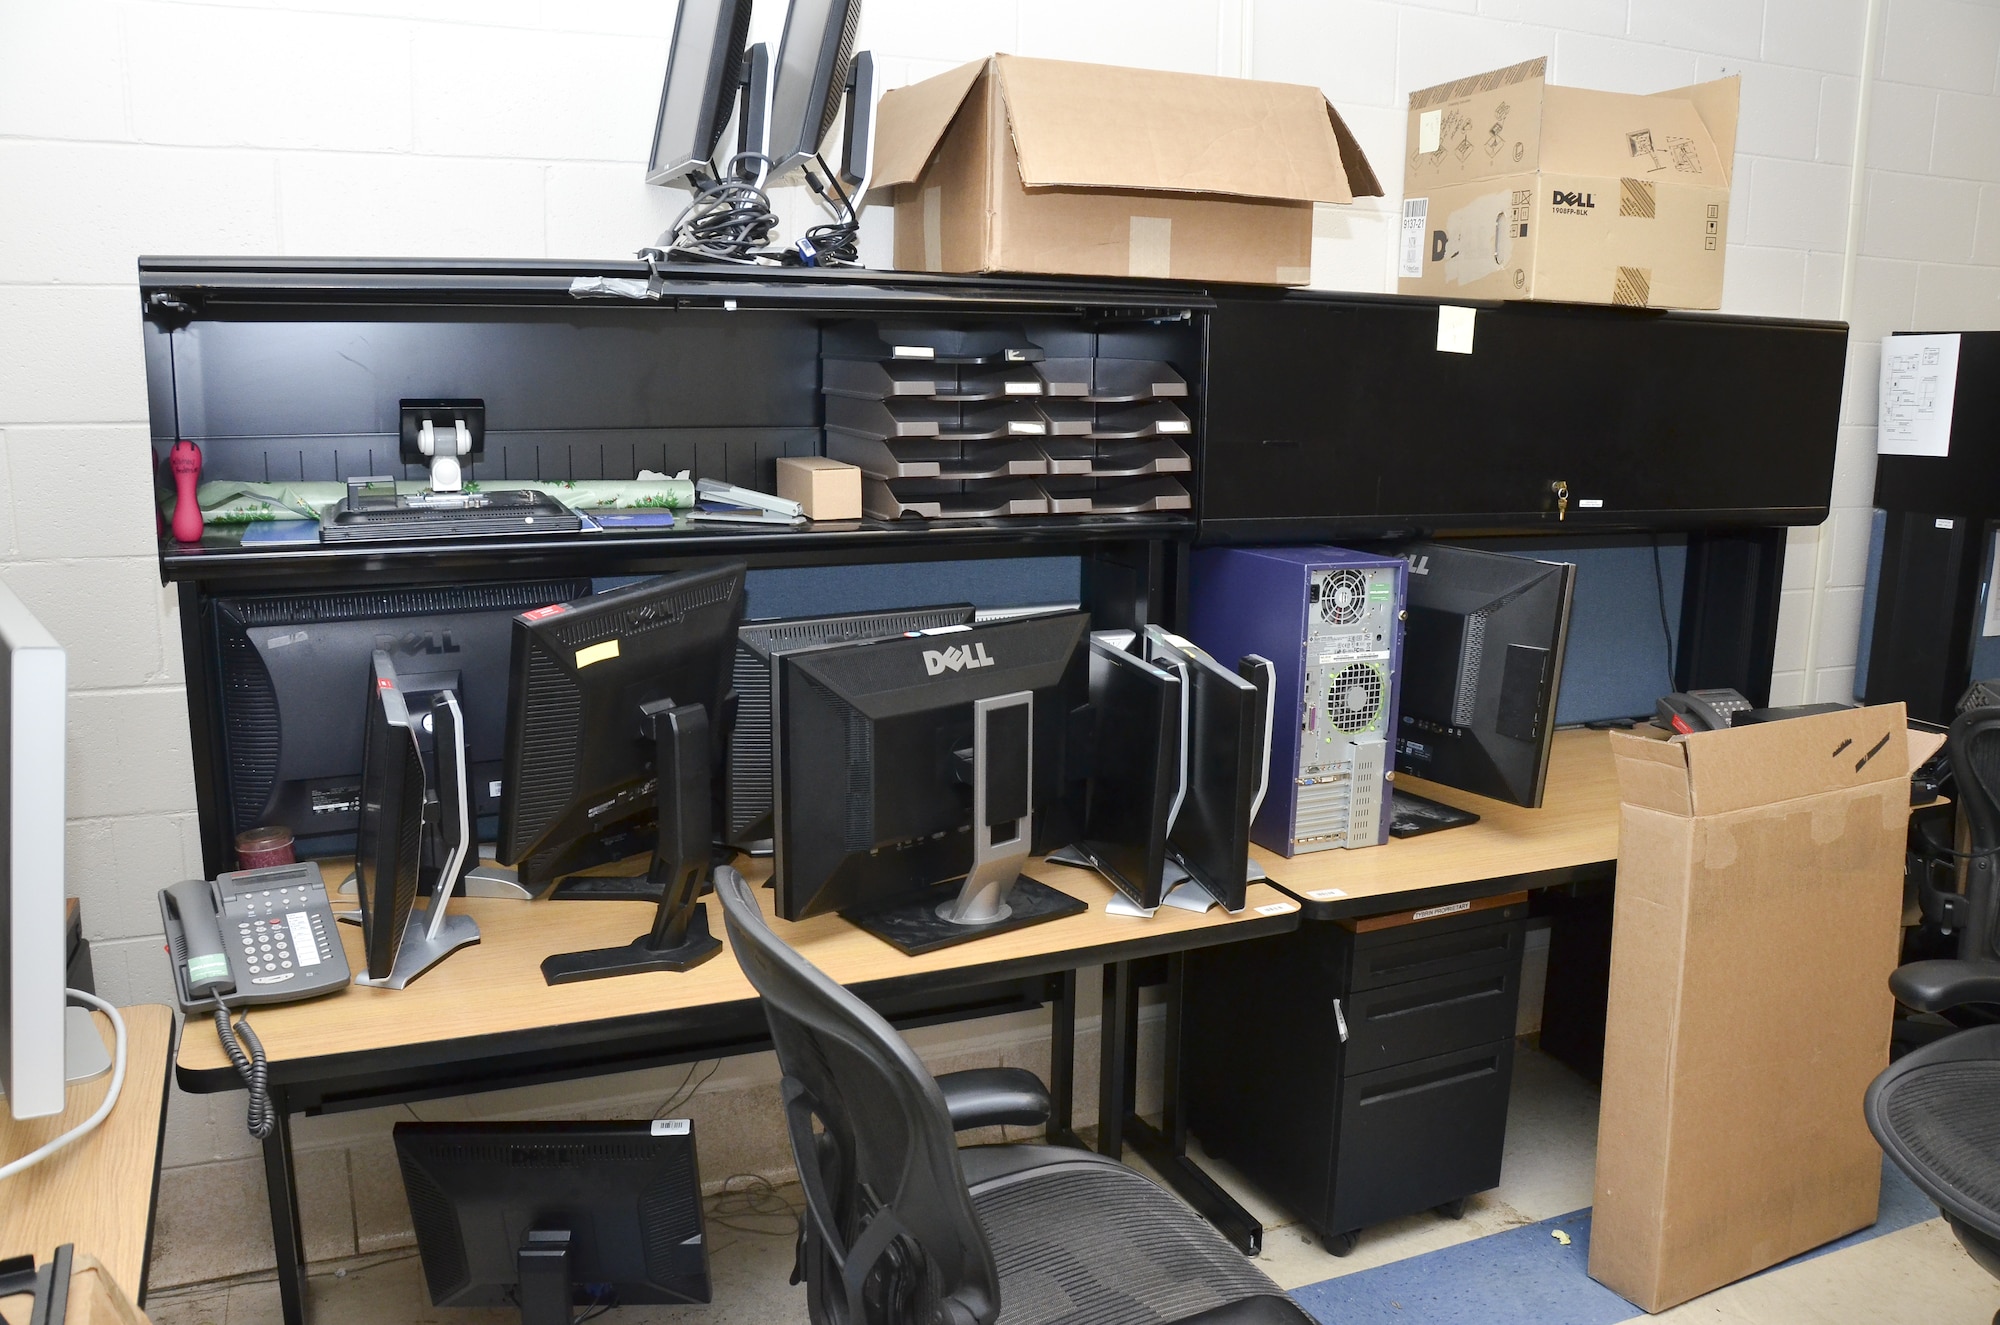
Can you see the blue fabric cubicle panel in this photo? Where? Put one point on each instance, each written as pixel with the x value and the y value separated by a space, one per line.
pixel 999 582
pixel 829 590
pixel 1619 661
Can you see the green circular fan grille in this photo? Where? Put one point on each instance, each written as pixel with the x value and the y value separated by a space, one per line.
pixel 1354 697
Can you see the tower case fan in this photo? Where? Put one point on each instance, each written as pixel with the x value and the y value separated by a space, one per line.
pixel 1331 622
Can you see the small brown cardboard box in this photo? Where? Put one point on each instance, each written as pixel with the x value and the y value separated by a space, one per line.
pixel 826 489
pixel 1024 165
pixel 1516 189
pixel 1758 915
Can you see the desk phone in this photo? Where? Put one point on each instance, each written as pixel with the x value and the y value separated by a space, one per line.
pixel 255 936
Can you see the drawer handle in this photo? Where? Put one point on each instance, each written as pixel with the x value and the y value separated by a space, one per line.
pixel 1447 952
pixel 1485 989
pixel 1418 1085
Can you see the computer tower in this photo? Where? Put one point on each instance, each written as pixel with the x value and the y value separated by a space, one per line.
pixel 1331 622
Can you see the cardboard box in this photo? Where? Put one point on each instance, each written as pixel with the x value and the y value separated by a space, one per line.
pixel 1022 165
pixel 1515 189
pixel 1758 915
pixel 827 489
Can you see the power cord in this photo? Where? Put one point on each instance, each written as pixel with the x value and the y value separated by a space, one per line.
pixel 90 1124
pixel 251 1066
pixel 1660 596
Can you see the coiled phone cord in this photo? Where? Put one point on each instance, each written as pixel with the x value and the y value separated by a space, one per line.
pixel 251 1066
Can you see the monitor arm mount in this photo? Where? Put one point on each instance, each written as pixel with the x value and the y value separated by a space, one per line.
pixel 679 939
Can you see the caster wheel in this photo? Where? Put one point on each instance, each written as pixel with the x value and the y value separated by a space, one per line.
pixel 1452 1209
pixel 1341 1244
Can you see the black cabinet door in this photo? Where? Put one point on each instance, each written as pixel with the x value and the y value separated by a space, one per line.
pixel 1416 1136
pixel 1331 415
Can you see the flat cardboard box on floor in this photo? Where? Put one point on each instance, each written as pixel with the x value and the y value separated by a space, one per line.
pixel 1023 165
pixel 1758 916
pixel 1516 189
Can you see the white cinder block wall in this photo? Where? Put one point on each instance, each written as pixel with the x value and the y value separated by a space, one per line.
pixel 515 128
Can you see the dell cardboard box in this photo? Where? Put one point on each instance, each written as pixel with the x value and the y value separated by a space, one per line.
pixel 1022 165
pixel 1758 916
pixel 1516 189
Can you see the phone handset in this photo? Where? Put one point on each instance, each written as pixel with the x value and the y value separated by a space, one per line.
pixel 204 961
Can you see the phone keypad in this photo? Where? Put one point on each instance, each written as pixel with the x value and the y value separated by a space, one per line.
pixel 282 931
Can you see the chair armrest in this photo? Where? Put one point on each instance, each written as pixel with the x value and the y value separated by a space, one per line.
pixel 1934 986
pixel 988 1096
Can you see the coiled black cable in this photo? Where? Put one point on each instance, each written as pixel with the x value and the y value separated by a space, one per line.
pixel 251 1066
pixel 729 219
pixel 831 243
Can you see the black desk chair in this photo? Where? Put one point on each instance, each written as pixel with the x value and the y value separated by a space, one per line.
pixel 904 1228
pixel 1936 1110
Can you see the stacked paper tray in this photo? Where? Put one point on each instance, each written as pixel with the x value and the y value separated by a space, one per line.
pixel 977 423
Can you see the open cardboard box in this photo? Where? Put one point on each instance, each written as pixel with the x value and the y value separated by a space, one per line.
pixel 1026 165
pixel 1758 916
pixel 1515 188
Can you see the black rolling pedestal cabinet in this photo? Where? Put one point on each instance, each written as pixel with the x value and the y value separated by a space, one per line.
pixel 1357 1070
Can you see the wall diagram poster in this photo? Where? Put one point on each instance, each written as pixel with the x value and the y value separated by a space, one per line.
pixel 1919 377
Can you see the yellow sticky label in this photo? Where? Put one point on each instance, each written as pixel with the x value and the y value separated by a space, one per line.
pixel 597 653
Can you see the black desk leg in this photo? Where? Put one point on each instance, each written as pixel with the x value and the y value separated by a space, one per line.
pixel 1062 1063
pixel 287 1237
pixel 1118 1056
pixel 1165 1147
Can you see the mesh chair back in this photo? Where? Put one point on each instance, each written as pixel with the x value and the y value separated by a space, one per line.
pixel 1975 765
pixel 891 1235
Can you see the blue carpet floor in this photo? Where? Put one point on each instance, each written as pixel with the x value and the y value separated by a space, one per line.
pixel 1526 1275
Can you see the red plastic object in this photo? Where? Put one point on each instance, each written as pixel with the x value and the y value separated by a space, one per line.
pixel 185 461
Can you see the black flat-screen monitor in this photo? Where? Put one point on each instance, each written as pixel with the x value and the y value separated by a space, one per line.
pixel 704 73
pixel 877 756
pixel 551 1216
pixel 1482 662
pixel 747 794
pixel 1138 771
pixel 290 758
pixel 579 750
pixel 389 853
pixel 810 77
pixel 1228 751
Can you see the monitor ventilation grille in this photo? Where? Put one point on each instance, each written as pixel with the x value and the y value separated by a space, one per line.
pixel 250 727
pixel 652 615
pixel 1468 670
pixel 1343 596
pixel 548 747
pixel 669 1216
pixel 362 604
pixel 1354 698
pixel 438 1237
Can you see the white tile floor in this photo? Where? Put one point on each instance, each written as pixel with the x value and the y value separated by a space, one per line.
pixel 1916 1275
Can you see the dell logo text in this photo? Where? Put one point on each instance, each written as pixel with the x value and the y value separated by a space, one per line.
pixel 1562 198
pixel 956 658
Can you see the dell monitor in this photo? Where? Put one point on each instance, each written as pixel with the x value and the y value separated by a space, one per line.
pixel 615 716
pixel 747 798
pixel 705 74
pixel 1227 747
pixel 909 763
pixel 810 78
pixel 389 851
pixel 290 759
pixel 1138 771
pixel 1482 662
pixel 34 1023
pixel 549 1217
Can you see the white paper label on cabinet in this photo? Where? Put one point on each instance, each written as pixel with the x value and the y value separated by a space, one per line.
pixel 1589 503
pixel 1455 329
pixel 1450 909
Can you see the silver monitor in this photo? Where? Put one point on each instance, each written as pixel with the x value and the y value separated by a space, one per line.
pixel 33 681
pixel 705 72
pixel 810 80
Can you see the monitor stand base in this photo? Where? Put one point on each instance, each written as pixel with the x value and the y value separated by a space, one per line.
pixel 419 951
pixel 696 947
pixel 915 927
pixel 84 1056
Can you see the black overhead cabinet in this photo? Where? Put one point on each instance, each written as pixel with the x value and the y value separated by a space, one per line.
pixel 1338 416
